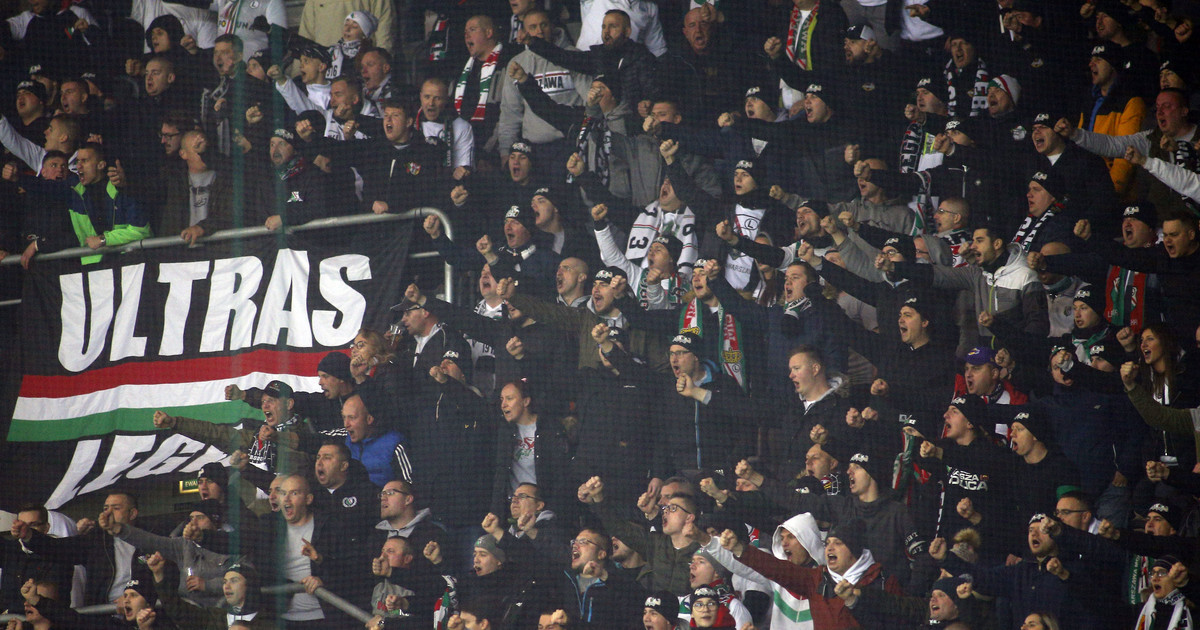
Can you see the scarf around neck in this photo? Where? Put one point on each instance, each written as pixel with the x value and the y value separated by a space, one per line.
pixel 486 73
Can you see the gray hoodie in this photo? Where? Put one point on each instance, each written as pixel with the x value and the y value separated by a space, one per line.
pixel 561 85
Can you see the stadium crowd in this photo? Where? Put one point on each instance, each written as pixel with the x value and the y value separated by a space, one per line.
pixel 790 315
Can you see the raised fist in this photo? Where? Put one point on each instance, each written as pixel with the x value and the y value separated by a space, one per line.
pixel 773 47
pixel 667 150
pixel 162 420
pixel 433 552
pixel 433 226
pixel 517 73
pixel 515 348
pixel 599 212
pixel 854 418
pixel 852 154
pixel 1065 128
pixel 937 549
pixel 726 119
pixel 725 233
pixel 729 541
pixel 575 165
pixel 381 567
pixel 1134 156
pixel 484 245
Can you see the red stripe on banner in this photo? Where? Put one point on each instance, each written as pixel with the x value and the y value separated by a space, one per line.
pixel 167 372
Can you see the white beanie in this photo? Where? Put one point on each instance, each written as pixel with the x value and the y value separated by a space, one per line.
pixel 366 22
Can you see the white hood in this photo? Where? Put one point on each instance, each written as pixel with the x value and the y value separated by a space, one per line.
pixel 804 527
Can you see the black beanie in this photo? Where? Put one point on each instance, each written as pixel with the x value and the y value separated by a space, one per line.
pixel 1034 424
pixel 878 466
pixel 612 83
pixel 904 245
pixel 1093 296
pixel 818 206
pixel 853 534
pixel 1052 182
pixel 216 473
pixel 674 246
pixel 337 365
pixel 973 408
pixel 936 85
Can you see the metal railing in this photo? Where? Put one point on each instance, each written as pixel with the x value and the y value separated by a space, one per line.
pixel 247 232
pixel 321 593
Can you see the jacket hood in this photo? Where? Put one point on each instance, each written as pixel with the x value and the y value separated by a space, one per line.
pixel 804 527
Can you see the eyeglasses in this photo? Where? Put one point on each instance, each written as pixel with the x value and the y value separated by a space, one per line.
pixel 944 211
pixel 389 493
pixel 673 508
pixel 521 497
pixel 1159 573
pixel 1064 512
pixel 678 353
pixel 579 542
pixel 359 345
pixel 707 603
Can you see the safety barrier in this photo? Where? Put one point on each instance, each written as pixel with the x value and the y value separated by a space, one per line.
pixel 321 593
pixel 240 233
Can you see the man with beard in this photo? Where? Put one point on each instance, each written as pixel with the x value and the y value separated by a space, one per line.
pixel 668 552
pixel 257 440
pixel 1000 280
pixel 399 171
pixel 301 193
pixel 563 86
pixel 1042 581
pixel 323 409
pixel 708 72
pixel 532 350
pixel 625 61
pixel 349 115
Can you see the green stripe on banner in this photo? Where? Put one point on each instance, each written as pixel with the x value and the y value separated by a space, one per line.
pixel 128 419
pixel 799 616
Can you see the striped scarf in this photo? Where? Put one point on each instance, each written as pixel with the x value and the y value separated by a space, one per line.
pixel 731 357
pixel 799 39
pixel 485 84
pixel 1181 617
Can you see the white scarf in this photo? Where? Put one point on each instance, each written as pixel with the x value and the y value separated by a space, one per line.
pixel 856 570
pixel 1181 617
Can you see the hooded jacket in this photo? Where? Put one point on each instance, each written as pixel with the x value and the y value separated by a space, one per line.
pixel 815 586
pixel 563 86
pixel 1012 290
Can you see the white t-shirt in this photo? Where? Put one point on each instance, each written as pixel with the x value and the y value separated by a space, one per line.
pixel 523 468
pixel 296 567
pixel 124 553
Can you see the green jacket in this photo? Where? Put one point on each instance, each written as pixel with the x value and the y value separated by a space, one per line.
pixel 581 321
pixel 666 567
pixel 119 218
pixel 1164 418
